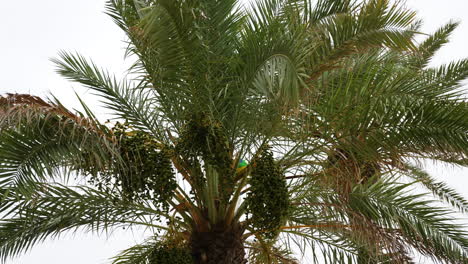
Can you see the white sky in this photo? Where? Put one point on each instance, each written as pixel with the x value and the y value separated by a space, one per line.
pixel 34 31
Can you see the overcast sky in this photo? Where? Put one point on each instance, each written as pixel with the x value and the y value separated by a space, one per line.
pixel 34 31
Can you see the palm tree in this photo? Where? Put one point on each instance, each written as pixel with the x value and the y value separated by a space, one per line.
pixel 245 134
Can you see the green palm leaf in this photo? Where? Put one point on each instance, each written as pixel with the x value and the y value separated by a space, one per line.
pixel 318 105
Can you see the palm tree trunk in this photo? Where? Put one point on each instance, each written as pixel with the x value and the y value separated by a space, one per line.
pixel 220 245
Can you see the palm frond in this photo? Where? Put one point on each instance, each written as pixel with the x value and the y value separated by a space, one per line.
pixel 261 252
pixel 427 228
pixel 339 90
pixel 54 209
pixel 432 44
pixel 138 254
pixel 40 140
pixel 315 12
pixel 127 101
pixel 439 189
pixel 373 24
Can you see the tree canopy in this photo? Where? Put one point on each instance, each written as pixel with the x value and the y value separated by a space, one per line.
pixel 248 133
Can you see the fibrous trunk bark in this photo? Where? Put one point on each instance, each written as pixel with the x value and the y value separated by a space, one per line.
pixel 220 245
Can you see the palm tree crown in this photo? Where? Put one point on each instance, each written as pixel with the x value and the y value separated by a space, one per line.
pixel 247 133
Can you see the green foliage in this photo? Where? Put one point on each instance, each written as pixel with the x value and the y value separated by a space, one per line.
pixel 154 251
pixel 421 223
pixel 34 132
pixel 438 189
pixel 205 139
pixel 268 197
pixel 55 209
pixel 267 252
pixel 148 173
pixel 166 255
pixel 339 90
